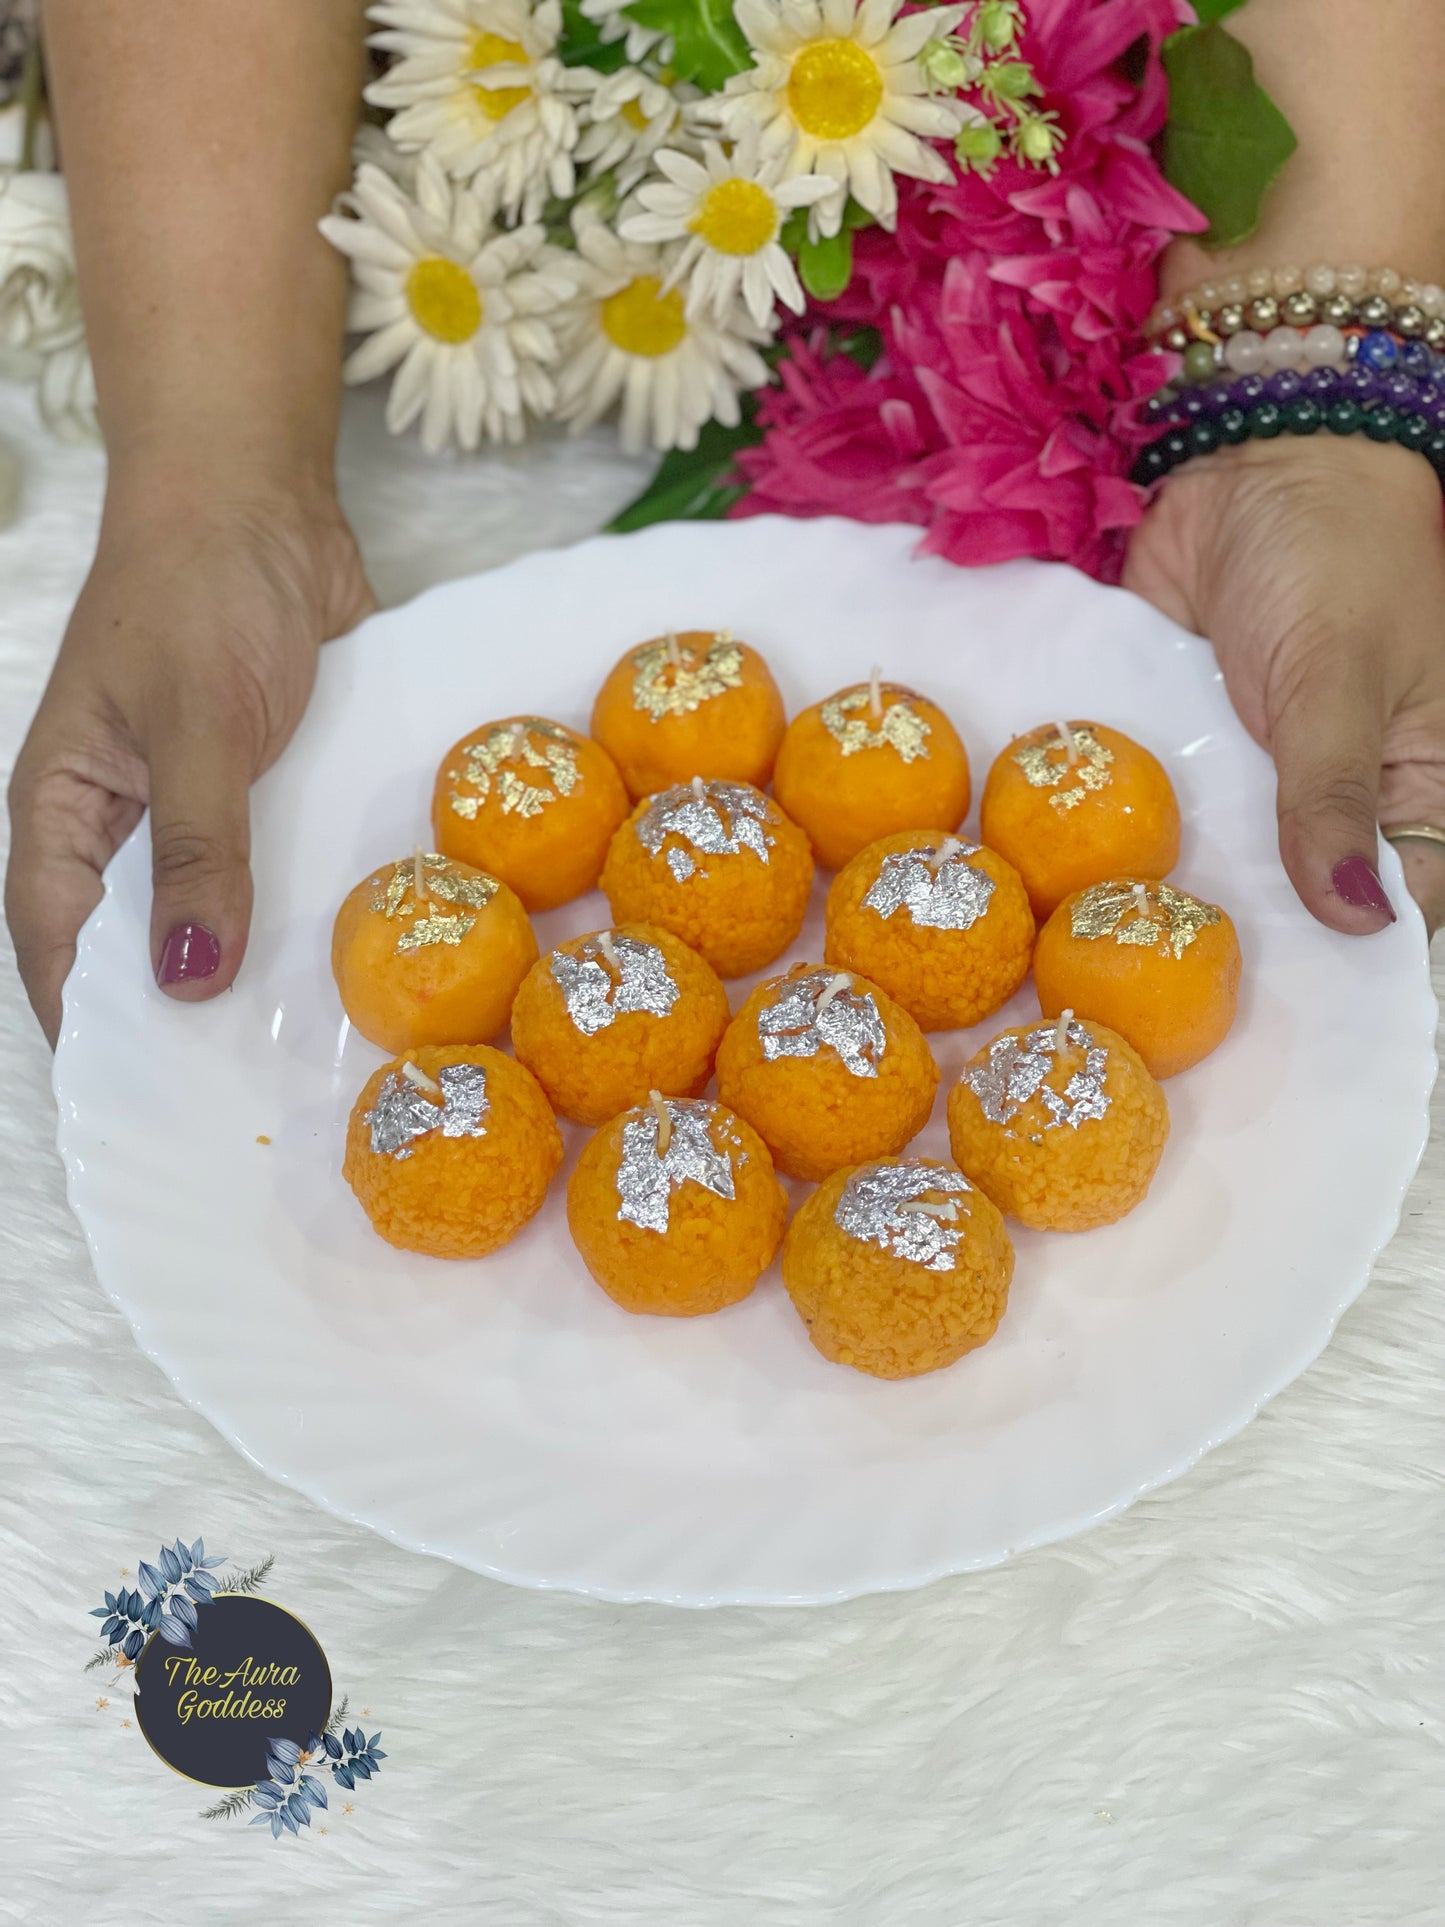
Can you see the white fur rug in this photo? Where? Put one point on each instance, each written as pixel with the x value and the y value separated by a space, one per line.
pixel 1224 1709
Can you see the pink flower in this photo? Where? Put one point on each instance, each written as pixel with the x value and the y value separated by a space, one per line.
pixel 1000 414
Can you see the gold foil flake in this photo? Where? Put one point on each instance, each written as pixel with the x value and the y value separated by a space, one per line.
pixel 847 720
pixel 427 931
pixel 388 896
pixel 1142 914
pixel 665 683
pixel 454 886
pixel 445 882
pixel 1016 1068
pixel 895 1207
pixel 530 741
pixel 1046 764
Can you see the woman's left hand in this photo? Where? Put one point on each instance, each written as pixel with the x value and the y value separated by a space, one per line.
pixel 1317 569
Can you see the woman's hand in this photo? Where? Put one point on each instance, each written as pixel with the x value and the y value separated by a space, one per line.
pixel 186 666
pixel 1317 569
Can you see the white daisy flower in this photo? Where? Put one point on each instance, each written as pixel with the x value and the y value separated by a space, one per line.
pixel 628 338
pixel 467 311
pixel 375 147
pixel 609 16
pixel 838 89
pixel 479 87
pixel 728 210
pixel 627 119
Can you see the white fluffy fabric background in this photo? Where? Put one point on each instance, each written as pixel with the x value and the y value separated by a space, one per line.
pixel 1224 1709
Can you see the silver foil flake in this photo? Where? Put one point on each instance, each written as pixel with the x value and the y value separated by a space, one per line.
pixel 818 1010
pixel 715 819
pixel 403 1113
pixel 892 1206
pixel 1016 1068
pixel 647 1177
pixel 597 989
pixel 939 892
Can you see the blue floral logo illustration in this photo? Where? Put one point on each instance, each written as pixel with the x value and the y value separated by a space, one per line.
pixel 170 1593
pixel 166 1602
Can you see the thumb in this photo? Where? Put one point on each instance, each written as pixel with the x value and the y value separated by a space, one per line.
pixel 1326 739
pixel 200 780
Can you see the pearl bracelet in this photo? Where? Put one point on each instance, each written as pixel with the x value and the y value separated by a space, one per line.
pixel 1314 294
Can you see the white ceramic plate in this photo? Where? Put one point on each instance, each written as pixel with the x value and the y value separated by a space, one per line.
pixel 506 1414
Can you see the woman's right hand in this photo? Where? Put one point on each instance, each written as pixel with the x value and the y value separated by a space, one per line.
pixel 186 667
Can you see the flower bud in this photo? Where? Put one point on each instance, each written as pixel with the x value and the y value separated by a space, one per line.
pixel 978 145
pixel 998 25
pixel 944 65
pixel 1037 140
pixel 1011 80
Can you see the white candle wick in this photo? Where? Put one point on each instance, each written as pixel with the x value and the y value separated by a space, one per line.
pixel 1141 899
pixel 605 945
pixel 1069 741
pixel 950 846
pixel 674 653
pixel 416 1076
pixel 947 1210
pixel 699 789
pixel 664 1122
pixel 875 693
pixel 418 875
pixel 834 988
pixel 1061 1034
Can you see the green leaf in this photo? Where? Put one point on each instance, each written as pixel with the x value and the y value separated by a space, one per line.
pixel 826 267
pixel 710 46
pixel 1208 11
pixel 1225 140
pixel 582 44
pixel 691 485
pixel 863 345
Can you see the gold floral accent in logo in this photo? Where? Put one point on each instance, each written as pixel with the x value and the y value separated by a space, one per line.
pixel 422 881
pixel 1072 761
pixel 671 677
pixel 859 720
pixel 536 745
pixel 1144 914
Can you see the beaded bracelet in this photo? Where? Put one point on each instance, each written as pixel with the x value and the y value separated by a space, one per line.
pixel 1405 318
pixel 1304 416
pixel 1368 387
pixel 1377 351
pixel 1316 294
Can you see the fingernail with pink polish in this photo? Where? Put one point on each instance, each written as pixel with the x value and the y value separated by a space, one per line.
pixel 1357 883
pixel 190 953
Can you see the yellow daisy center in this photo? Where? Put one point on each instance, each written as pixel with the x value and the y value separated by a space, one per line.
pixel 444 300
pixel 490 50
pixel 834 90
pixel 632 113
pixel 736 217
pixel 641 320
